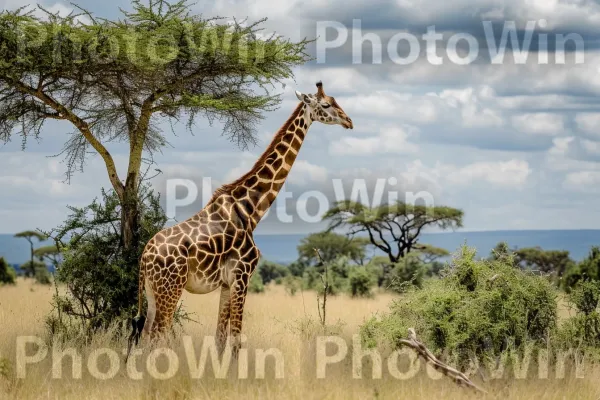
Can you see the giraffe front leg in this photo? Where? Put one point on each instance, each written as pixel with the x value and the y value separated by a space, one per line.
pixel 223 321
pixel 238 298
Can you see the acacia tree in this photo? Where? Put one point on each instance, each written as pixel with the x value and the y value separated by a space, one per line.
pixel 30 236
pixel 428 254
pixel 555 262
pixel 392 228
pixel 114 81
pixel 51 253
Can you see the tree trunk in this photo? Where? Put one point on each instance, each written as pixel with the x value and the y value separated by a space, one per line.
pixel 31 272
pixel 130 223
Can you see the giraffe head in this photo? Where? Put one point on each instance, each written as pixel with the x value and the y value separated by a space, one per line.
pixel 324 108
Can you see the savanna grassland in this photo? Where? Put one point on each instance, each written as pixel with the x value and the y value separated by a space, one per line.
pixel 273 319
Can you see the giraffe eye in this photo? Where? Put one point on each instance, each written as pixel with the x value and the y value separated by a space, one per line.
pixel 325 105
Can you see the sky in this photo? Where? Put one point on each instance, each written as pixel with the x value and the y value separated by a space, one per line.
pixel 515 145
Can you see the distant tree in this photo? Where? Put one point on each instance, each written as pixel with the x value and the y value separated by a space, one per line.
pixel 8 276
pixel 360 282
pixel 331 246
pixel 500 252
pixel 555 262
pixel 546 261
pixel 586 270
pixel 270 271
pixel 111 80
pixel 590 266
pixel 29 268
pixel 40 271
pixel 50 253
pixel 393 229
pixel 429 254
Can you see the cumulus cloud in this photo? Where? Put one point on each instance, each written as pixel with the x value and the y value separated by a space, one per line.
pixel 539 123
pixel 512 173
pixel 391 139
pixel 484 137
pixel 589 123
pixel 583 181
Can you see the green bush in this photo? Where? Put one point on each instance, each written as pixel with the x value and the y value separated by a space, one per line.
pixel 102 284
pixel 586 296
pixel 408 272
pixel 360 282
pixel 8 276
pixel 582 329
pixel 477 308
pixel 256 284
pixel 587 269
pixel 40 271
pixel 337 276
pixel 397 277
pixel 270 271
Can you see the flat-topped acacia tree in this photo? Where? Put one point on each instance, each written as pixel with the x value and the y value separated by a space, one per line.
pixel 115 80
pixel 393 228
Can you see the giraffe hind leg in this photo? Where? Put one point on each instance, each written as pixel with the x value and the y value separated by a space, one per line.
pixel 166 304
pixel 223 318
pixel 151 313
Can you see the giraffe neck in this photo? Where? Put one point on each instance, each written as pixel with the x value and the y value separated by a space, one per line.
pixel 257 189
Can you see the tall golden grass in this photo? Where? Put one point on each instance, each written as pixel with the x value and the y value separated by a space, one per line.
pixel 272 320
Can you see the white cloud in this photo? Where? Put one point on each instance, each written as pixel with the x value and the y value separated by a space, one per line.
pixel 391 139
pixel 303 173
pixel 588 123
pixel 510 173
pixel 471 104
pixel 386 103
pixel 539 123
pixel 583 181
pixel 591 148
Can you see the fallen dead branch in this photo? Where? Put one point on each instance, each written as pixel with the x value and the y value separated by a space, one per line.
pixel 457 376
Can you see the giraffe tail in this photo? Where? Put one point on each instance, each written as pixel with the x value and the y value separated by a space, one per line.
pixel 137 322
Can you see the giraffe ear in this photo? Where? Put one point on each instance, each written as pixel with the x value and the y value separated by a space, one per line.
pixel 300 96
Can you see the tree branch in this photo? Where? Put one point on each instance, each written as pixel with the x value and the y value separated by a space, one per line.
pixel 64 113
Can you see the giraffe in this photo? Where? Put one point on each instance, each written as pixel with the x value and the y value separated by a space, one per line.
pixel 215 247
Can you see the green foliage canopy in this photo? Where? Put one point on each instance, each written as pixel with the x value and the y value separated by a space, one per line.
pixel 115 80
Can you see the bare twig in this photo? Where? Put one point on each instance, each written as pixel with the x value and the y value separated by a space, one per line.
pixel 325 279
pixel 454 374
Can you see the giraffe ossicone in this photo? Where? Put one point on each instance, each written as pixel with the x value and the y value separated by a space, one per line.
pixel 215 248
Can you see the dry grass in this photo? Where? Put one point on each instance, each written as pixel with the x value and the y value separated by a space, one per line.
pixel 272 320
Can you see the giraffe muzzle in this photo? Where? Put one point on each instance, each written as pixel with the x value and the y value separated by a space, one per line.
pixel 348 124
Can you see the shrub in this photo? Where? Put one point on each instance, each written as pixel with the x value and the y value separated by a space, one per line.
pixel 8 276
pixel 397 277
pixel 410 271
pixel 292 284
pixel 256 284
pixel 40 271
pixel 337 276
pixel 477 308
pixel 360 282
pixel 102 284
pixel 270 271
pixel 582 329
pixel 587 269
pixel 586 296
